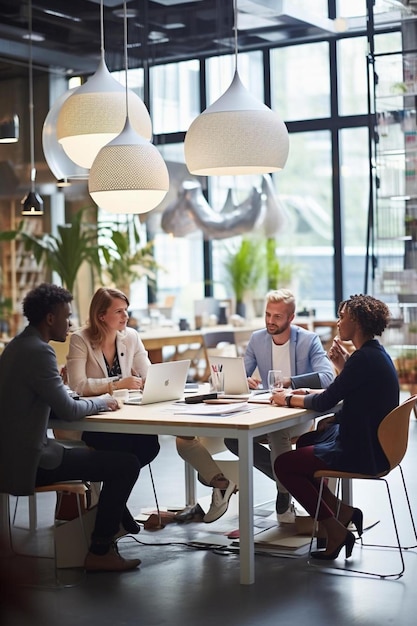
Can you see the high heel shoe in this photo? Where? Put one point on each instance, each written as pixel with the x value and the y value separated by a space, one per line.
pixel 357 520
pixel 348 542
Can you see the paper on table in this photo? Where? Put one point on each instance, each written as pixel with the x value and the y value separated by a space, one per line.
pixel 209 409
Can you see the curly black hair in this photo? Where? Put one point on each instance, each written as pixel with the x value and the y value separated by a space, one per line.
pixel 371 314
pixel 42 300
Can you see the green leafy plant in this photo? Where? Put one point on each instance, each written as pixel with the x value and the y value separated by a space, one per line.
pixel 279 274
pixel 114 252
pixel 123 257
pixel 245 267
pixel 65 252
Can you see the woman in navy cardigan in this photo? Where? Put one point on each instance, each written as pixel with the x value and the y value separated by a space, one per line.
pixel 368 385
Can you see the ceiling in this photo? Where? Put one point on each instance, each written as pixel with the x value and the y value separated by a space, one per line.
pixel 158 31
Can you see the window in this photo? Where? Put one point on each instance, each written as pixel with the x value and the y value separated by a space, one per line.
pixel 353 89
pixel 300 81
pixel 175 96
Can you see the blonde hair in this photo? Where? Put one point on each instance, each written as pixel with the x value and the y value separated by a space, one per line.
pixel 281 295
pixel 99 304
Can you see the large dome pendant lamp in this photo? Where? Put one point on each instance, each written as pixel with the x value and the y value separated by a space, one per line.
pixel 129 174
pixel 95 113
pixel 237 134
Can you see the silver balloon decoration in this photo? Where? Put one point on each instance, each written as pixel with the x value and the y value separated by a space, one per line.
pixel 218 225
pixel 262 209
pixel 178 218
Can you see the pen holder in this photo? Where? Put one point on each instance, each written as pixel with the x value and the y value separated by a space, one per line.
pixel 217 382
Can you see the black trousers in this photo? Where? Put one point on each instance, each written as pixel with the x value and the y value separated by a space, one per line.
pixel 144 447
pixel 118 471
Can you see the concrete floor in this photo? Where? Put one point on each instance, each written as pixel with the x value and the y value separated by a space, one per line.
pixel 181 584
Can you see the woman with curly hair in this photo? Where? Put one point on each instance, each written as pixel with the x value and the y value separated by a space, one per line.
pixel 368 385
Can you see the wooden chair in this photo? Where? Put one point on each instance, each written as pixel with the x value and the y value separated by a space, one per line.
pixel 393 437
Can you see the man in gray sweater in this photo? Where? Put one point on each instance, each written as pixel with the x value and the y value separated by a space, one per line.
pixel 30 389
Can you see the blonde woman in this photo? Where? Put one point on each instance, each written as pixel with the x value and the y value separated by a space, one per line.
pixel 106 355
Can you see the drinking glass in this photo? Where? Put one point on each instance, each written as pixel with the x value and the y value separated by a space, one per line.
pixel 275 380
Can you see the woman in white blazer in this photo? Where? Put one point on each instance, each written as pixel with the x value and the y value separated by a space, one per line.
pixel 106 355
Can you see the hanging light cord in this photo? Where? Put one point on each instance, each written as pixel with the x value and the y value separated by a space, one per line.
pixel 125 54
pixel 235 29
pixel 102 29
pixel 31 106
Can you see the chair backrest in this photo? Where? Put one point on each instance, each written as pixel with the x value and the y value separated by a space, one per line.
pixel 220 343
pixel 393 432
pixel 212 339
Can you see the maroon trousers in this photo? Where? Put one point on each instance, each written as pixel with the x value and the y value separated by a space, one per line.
pixel 295 469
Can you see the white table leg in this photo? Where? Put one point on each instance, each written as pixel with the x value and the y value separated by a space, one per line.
pixel 246 543
pixel 5 524
pixel 190 485
pixel 33 518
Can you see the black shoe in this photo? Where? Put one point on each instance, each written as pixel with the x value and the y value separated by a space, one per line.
pixel 348 542
pixel 357 520
pixel 190 514
pixel 282 503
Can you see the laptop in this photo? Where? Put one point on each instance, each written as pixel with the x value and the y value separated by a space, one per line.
pixel 164 382
pixel 235 380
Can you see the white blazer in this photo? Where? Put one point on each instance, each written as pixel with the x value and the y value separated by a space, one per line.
pixel 86 367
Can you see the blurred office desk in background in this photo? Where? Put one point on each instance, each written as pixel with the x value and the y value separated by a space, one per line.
pixel 190 343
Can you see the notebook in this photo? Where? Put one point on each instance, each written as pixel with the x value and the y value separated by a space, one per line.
pixel 164 382
pixel 235 380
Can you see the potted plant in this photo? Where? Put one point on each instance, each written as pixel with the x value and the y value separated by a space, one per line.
pixel 65 252
pixel 406 365
pixel 279 274
pixel 245 268
pixel 123 257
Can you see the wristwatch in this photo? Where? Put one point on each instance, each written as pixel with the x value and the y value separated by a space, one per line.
pixel 288 400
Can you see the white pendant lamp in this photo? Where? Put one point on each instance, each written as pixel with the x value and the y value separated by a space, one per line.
pixel 95 114
pixel 129 174
pixel 61 166
pixel 237 134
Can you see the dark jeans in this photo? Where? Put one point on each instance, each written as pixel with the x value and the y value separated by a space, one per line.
pixel 261 456
pixel 144 447
pixel 118 471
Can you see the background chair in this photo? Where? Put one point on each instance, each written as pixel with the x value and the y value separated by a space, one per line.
pixel 220 342
pixel 393 438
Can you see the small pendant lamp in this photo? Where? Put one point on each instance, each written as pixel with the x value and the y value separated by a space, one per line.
pixel 31 203
pixel 95 114
pixel 237 134
pixel 129 174
pixel 9 129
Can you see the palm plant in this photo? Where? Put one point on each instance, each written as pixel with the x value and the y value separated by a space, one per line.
pixel 245 268
pixel 122 255
pixel 65 252
pixel 279 274
pixel 112 251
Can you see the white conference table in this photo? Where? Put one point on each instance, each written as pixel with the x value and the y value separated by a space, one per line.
pixel 162 419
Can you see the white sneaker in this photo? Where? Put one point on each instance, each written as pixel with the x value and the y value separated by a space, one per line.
pixel 219 503
pixel 288 517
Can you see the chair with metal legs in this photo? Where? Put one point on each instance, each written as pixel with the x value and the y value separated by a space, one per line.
pixel 393 438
